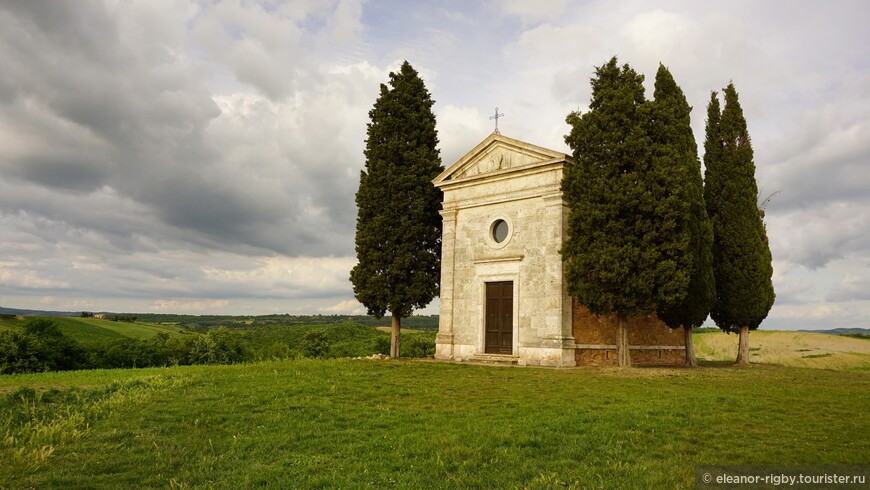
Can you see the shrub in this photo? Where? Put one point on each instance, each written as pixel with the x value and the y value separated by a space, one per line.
pixel 314 345
pixel 131 353
pixel 220 346
pixel 20 353
pixel 382 345
pixel 418 346
pixel 39 346
pixel 278 350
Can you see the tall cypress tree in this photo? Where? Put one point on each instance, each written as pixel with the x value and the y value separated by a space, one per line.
pixel 398 228
pixel 741 255
pixel 674 146
pixel 622 254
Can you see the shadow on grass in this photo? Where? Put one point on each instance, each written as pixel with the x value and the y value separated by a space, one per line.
pixel 734 365
pixel 719 364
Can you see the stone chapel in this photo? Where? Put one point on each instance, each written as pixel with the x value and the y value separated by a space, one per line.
pixel 503 296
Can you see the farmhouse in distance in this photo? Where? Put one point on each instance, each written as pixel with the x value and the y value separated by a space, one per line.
pixel 503 294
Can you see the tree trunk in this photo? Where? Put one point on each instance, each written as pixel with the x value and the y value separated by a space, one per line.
pixel 395 335
pixel 623 357
pixel 743 346
pixel 691 360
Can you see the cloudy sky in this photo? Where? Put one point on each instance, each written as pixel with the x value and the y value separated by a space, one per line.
pixel 202 156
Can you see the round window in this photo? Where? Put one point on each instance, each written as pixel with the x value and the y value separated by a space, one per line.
pixel 500 230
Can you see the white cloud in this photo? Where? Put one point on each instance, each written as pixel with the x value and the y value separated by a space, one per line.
pixel 291 277
pixel 347 307
pixel 531 11
pixel 460 130
pixel 792 283
pixel 173 305
pixel 22 278
pixel 854 286
pixel 817 316
pixel 343 24
pixel 659 35
pixel 815 236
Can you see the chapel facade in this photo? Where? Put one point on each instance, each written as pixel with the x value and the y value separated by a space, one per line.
pixel 503 295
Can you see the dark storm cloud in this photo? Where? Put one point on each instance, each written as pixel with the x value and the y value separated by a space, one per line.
pixel 73 172
pixel 821 156
pixel 85 27
pixel 817 170
pixel 89 103
pixel 76 88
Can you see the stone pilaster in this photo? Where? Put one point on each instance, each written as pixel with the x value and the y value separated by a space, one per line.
pixel 563 336
pixel 444 339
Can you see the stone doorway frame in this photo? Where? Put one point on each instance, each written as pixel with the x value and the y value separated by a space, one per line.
pixel 513 277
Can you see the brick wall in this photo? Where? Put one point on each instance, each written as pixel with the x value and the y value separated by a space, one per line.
pixel 592 329
pixel 649 330
pixel 643 332
pixel 595 357
pixel 647 357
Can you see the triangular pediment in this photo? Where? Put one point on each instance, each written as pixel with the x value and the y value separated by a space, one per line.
pixel 498 154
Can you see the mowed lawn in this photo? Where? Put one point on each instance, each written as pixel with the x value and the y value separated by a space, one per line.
pixel 421 424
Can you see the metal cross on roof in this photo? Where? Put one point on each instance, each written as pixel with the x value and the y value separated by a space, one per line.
pixel 496 116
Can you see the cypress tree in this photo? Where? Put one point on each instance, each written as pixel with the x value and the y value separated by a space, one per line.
pixel 741 255
pixel 398 228
pixel 622 254
pixel 674 146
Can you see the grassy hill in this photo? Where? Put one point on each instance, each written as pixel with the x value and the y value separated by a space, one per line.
pixel 93 331
pixel 353 423
pixel 797 349
pixel 91 343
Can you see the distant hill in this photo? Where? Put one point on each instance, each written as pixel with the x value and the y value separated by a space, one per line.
pixel 843 331
pixel 90 331
pixel 419 322
pixel 16 311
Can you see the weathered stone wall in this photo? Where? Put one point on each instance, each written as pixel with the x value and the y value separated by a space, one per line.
pixel 526 194
pixel 530 258
pixel 650 340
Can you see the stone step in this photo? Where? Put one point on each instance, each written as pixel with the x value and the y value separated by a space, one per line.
pixel 504 359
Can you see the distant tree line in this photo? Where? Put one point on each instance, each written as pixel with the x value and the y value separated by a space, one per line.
pixel 123 318
pixel 39 345
pixel 420 322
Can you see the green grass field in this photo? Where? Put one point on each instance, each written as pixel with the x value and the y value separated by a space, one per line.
pixel 92 331
pixel 414 424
